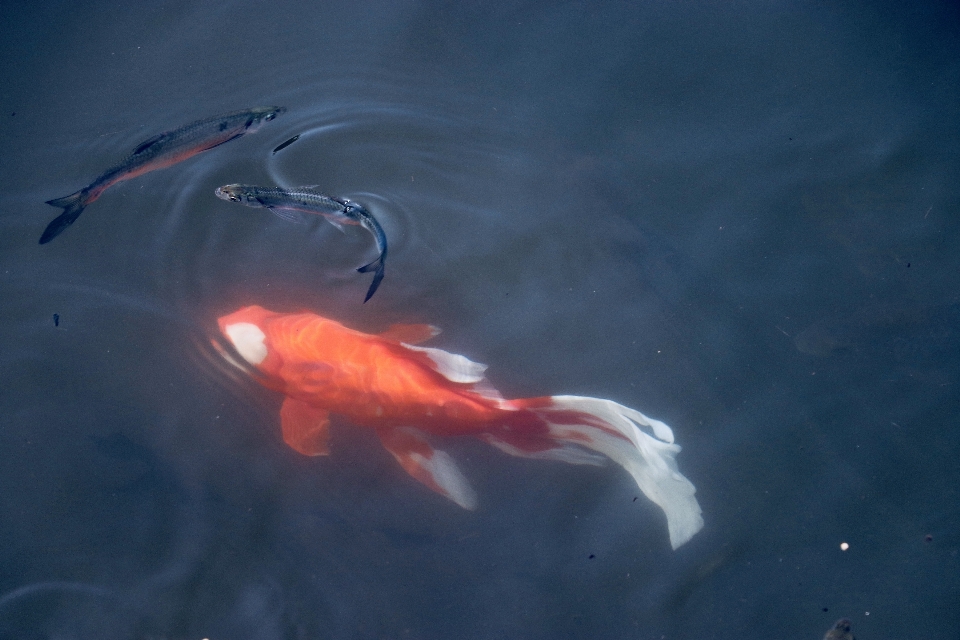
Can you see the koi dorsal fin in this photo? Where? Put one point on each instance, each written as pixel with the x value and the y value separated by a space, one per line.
pixel 410 333
pixel 305 428
pixel 453 366
pixel 434 468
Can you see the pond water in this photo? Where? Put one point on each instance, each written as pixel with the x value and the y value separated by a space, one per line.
pixel 739 218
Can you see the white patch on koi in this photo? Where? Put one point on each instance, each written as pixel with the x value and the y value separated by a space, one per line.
pixel 452 366
pixel 248 340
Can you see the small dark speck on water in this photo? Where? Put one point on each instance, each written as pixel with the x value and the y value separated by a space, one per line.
pixel 928 538
pixel 634 498
pixel 56 319
pixel 13 114
pixel 592 556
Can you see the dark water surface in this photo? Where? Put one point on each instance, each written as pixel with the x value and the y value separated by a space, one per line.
pixel 740 218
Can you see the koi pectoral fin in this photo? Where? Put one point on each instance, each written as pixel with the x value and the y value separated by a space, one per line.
pixel 305 428
pixel 434 468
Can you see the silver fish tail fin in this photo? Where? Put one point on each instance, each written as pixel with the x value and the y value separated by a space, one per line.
pixel 72 206
pixel 613 430
pixel 377 267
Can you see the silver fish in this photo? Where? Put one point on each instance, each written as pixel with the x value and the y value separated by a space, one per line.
pixel 308 200
pixel 160 151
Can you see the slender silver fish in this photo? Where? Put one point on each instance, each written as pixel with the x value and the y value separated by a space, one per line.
pixel 308 200
pixel 160 151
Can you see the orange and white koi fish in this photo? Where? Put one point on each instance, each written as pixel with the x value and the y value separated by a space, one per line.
pixel 410 395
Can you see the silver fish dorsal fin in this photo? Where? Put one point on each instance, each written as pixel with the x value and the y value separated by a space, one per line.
pixel 149 142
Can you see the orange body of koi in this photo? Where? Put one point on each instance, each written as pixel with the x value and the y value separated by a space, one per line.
pixel 410 395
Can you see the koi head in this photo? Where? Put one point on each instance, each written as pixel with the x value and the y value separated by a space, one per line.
pixel 248 340
pixel 241 193
pixel 244 330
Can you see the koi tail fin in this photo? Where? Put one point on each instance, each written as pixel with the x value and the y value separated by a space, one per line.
pixel 72 206
pixel 377 267
pixel 614 431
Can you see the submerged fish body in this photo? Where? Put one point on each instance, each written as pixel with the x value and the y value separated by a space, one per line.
pixel 158 152
pixel 839 631
pixel 411 395
pixel 308 200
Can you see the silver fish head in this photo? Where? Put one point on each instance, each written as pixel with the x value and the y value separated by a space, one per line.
pixel 352 209
pixel 238 193
pixel 260 115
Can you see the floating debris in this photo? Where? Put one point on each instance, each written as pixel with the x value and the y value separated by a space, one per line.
pixel 284 145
